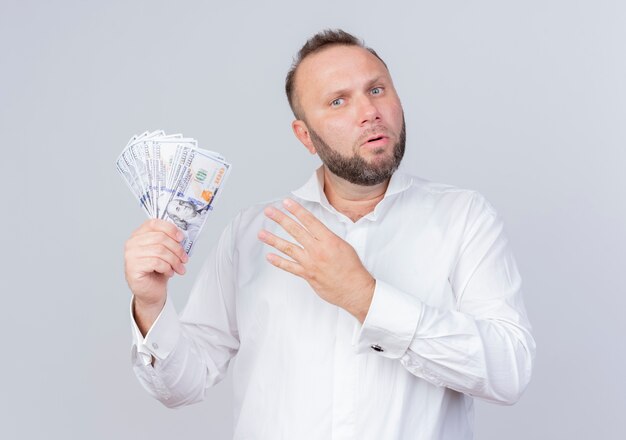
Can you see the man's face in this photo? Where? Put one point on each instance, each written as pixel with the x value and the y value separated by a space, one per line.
pixel 352 114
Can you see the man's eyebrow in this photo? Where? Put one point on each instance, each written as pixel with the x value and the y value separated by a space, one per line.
pixel 374 81
pixel 339 92
pixel 345 91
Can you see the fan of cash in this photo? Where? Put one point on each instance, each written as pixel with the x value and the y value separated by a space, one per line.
pixel 173 179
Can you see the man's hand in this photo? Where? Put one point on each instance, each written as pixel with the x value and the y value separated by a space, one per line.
pixel 153 254
pixel 328 263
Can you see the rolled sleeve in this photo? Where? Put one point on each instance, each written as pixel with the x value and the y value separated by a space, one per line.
pixel 162 336
pixel 390 324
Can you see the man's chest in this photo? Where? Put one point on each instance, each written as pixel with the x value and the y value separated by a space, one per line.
pixel 412 252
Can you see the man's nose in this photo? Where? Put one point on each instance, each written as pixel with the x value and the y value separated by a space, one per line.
pixel 368 110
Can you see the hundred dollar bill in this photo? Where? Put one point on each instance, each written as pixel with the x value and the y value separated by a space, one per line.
pixel 194 196
pixel 136 159
pixel 173 179
pixel 141 153
pixel 178 169
pixel 165 154
pixel 126 166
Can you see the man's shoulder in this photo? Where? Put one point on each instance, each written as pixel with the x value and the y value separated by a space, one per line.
pixel 431 187
pixel 444 195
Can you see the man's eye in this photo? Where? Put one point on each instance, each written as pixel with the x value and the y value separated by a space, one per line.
pixel 377 90
pixel 336 102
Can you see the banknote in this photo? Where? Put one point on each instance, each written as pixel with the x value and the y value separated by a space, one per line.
pixel 173 179
pixel 194 195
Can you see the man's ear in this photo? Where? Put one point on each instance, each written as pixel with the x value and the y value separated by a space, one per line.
pixel 302 133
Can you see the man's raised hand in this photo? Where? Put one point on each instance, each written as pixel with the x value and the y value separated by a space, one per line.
pixel 152 255
pixel 327 262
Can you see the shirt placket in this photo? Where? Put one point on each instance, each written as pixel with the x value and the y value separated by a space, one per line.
pixel 345 361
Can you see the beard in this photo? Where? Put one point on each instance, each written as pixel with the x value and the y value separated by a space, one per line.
pixel 354 168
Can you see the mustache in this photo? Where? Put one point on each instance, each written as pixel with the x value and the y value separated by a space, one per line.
pixel 379 130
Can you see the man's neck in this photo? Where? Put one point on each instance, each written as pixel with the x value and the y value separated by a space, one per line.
pixel 354 201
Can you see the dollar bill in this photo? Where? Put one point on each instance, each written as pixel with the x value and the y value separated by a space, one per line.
pixel 173 179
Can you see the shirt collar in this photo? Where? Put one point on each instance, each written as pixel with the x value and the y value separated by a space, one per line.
pixel 313 189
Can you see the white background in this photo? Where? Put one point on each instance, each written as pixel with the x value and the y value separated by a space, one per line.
pixel 522 101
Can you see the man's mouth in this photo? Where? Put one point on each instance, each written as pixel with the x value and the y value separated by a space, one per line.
pixel 376 140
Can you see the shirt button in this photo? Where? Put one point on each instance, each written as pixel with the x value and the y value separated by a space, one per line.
pixel 377 348
pixel 155 345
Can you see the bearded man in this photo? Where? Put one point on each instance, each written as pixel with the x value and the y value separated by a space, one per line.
pixel 368 304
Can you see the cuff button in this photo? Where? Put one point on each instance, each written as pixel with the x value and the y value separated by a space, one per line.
pixel 377 348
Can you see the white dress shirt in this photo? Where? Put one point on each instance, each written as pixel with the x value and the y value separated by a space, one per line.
pixel 446 323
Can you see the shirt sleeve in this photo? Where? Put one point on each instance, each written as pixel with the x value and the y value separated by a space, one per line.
pixel 191 351
pixel 484 347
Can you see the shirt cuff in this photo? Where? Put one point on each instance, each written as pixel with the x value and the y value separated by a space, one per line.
pixel 162 336
pixel 390 324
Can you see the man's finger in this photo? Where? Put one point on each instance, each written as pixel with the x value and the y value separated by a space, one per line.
pixel 159 225
pixel 308 220
pixel 160 252
pixel 154 264
pixel 151 238
pixel 286 265
pixel 286 247
pixel 294 229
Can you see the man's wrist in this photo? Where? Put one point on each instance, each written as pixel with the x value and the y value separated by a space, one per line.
pixel 146 313
pixel 362 299
pixel 143 305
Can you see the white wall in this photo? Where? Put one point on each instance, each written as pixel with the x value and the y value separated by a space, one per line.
pixel 523 101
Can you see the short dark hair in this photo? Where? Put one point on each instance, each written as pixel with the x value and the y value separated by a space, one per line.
pixel 319 41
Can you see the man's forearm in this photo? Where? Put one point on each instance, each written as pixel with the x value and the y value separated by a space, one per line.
pixel 486 358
